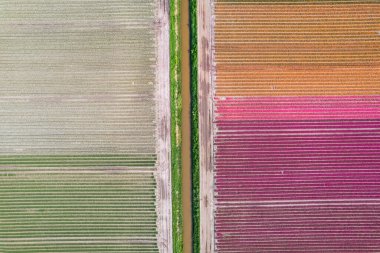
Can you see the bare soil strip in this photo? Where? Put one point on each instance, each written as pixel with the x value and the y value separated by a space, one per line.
pixel 164 210
pixel 205 125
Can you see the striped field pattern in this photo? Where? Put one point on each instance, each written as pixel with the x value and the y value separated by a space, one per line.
pixel 78 140
pixel 297 126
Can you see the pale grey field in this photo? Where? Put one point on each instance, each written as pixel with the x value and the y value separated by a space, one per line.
pixel 78 126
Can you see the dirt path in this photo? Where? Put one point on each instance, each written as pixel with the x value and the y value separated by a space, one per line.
pixel 164 205
pixel 205 125
pixel 186 156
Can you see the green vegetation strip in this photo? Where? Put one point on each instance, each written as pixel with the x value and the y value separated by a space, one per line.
pixel 194 125
pixel 176 123
pixel 78 160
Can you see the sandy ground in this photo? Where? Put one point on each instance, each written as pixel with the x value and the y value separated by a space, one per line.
pixel 164 205
pixel 205 77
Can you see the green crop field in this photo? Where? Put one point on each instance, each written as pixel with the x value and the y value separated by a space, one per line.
pixel 77 210
pixel 78 126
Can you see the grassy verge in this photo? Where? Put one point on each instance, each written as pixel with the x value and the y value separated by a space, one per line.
pixel 194 125
pixel 176 123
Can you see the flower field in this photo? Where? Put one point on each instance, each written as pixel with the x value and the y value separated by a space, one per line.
pixel 84 146
pixel 296 126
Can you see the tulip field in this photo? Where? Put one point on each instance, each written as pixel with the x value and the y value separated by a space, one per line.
pixel 296 126
pixel 84 163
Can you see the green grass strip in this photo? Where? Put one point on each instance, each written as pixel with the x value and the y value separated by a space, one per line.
pixel 194 125
pixel 176 125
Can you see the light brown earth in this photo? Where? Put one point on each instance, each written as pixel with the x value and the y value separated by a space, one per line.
pixel 164 205
pixel 205 125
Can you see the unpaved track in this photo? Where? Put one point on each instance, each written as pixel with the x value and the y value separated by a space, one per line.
pixel 164 205
pixel 205 125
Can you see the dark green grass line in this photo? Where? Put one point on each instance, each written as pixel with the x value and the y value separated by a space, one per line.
pixel 74 165
pixel 194 125
pixel 75 248
pixel 76 160
pixel 97 156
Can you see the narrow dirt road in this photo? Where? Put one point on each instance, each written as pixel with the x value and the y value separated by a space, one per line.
pixel 205 125
pixel 164 206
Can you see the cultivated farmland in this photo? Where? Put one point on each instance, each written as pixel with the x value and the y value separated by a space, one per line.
pixel 289 111
pixel 84 126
